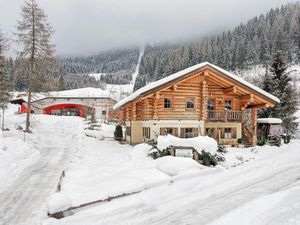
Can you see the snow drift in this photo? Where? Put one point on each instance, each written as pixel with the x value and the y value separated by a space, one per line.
pixel 173 166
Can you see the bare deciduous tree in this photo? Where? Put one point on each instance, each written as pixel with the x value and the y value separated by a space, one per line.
pixel 34 33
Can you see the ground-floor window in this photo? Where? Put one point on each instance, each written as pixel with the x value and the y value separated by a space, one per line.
pixel 223 133
pixel 228 133
pixel 146 132
pixel 188 132
pixel 169 130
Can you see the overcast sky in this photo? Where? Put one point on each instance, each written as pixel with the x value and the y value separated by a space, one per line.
pixel 84 27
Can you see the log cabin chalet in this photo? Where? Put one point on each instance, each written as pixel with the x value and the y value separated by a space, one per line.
pixel 201 100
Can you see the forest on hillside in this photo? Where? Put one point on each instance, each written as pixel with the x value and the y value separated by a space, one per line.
pixel 248 44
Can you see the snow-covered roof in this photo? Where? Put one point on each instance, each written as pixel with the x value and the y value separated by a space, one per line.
pixel 269 120
pixel 181 73
pixel 88 92
pixel 81 92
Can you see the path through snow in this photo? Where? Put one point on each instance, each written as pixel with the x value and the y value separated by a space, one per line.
pixel 24 201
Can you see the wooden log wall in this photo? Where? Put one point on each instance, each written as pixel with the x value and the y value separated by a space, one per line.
pixel 200 87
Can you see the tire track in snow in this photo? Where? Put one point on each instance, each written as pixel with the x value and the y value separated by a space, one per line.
pixel 24 200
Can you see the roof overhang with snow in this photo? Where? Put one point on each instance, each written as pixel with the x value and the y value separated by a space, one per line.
pixel 167 81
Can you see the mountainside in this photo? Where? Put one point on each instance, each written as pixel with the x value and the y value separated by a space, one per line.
pixel 237 50
pixel 248 44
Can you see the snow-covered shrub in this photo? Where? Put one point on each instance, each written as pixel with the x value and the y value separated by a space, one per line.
pixel 118 134
pixel 155 152
pixel 199 143
pixel 211 159
pixel 206 148
pixel 222 149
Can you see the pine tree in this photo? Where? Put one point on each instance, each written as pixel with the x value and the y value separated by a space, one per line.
pixel 34 35
pixel 4 81
pixel 277 81
pixel 61 83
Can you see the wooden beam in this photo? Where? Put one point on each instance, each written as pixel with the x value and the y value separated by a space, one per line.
pixel 174 87
pixel 247 98
pixel 264 105
pixel 134 116
pixel 230 90
pixel 206 73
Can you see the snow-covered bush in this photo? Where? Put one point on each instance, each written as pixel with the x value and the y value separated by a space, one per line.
pixel 155 152
pixel 206 147
pixel 211 159
pixel 199 143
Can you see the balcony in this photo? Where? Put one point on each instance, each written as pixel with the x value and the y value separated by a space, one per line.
pixel 224 115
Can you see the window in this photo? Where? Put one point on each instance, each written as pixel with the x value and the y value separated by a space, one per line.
pixel 128 131
pixel 146 132
pixel 190 103
pixel 210 107
pixel 210 132
pixel 169 130
pixel 188 132
pixel 210 104
pixel 228 133
pixel 228 104
pixel 167 103
pixel 103 112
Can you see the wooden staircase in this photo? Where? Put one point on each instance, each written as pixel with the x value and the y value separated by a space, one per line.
pixel 247 136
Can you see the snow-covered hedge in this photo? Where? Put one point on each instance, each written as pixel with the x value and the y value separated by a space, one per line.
pixel 200 143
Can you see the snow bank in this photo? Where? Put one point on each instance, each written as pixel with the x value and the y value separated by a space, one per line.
pixel 199 143
pixel 173 166
pixel 58 202
pixel 140 151
pixel 269 120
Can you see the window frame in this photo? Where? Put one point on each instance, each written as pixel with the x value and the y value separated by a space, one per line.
pixel 171 103
pixel 146 132
pixel 231 105
pixel 186 103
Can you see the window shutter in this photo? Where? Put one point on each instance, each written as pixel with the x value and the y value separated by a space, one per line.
pixel 175 132
pixel 195 132
pixel 222 132
pixel 233 132
pixel 182 132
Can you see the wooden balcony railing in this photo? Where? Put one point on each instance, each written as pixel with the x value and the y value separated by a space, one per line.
pixel 224 115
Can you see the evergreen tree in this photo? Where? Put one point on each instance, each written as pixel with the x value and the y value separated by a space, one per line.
pixel 4 81
pixel 61 83
pixel 277 81
pixel 34 33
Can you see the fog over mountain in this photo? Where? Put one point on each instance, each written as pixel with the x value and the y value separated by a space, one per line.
pixel 87 27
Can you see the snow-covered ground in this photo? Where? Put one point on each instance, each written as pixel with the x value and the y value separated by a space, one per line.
pixel 253 185
pixel 258 185
pixel 30 170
